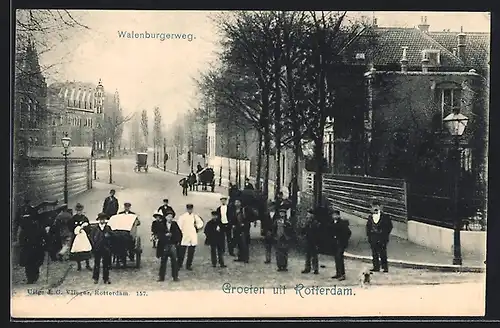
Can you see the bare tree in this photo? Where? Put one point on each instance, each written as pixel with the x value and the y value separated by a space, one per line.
pixel 113 124
pixel 157 135
pixel 145 127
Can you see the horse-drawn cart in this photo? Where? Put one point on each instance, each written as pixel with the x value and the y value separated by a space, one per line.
pixel 141 162
pixel 125 242
pixel 205 178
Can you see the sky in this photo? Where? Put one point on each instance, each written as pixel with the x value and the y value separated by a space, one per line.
pixel 151 72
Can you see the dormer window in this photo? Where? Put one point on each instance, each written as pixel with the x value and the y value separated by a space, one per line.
pixel 434 57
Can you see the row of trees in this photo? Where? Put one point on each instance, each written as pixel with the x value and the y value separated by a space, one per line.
pixel 278 73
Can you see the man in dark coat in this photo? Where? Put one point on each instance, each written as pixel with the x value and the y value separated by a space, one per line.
pixel 165 208
pixel 241 227
pixel 101 236
pixel 224 215
pixel 214 232
pixel 199 167
pixel 60 233
pixel 191 179
pixel 267 231
pixel 110 206
pixel 341 234
pixel 378 229
pixel 169 237
pixel 312 232
pixel 77 220
pixel 32 240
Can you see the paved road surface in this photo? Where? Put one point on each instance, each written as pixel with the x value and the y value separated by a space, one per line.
pixel 146 190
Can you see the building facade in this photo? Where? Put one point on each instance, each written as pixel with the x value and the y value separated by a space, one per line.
pixel 79 109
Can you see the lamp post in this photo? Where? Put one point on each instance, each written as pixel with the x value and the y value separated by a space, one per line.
pixel 66 141
pixel 456 124
pixel 94 159
pixel 110 168
pixel 165 155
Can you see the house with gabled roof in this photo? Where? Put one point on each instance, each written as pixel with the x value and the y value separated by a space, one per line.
pixel 414 78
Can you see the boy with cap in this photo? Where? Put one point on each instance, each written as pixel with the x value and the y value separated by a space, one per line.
pixel 189 223
pixel 101 237
pixel 214 232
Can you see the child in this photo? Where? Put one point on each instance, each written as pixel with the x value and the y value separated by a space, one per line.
pixel 215 233
pixel 282 231
pixel 156 227
pixel 267 232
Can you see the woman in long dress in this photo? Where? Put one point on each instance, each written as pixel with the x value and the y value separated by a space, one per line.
pixel 81 250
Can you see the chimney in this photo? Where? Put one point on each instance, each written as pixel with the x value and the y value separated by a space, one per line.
pixel 425 65
pixel 404 61
pixel 423 26
pixel 461 44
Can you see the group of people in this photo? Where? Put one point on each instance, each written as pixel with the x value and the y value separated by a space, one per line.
pixel 227 230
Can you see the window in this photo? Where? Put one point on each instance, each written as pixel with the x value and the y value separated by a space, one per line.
pixel 434 57
pixel 54 137
pixel 448 98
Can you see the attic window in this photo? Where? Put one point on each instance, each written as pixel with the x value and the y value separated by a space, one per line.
pixel 360 56
pixel 434 57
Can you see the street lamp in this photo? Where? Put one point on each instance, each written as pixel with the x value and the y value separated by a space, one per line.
pixel 456 124
pixel 66 141
pixel 94 157
pixel 110 168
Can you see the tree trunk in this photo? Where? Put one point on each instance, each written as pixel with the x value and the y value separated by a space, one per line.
pixel 259 163
pixel 295 172
pixel 318 142
pixel 267 141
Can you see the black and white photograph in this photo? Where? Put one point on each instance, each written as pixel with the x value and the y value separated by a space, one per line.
pixel 249 164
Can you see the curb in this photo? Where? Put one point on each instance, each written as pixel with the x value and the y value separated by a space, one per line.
pixel 420 265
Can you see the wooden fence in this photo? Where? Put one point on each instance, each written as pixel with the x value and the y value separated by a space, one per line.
pixel 354 194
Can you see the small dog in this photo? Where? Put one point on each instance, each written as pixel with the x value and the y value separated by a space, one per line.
pixel 365 278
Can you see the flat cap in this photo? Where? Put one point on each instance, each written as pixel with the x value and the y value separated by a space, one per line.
pixel 127 204
pixel 102 216
pixel 189 206
pixel 79 206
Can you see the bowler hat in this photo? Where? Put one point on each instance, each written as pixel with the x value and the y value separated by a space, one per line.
pixel 79 206
pixel 189 206
pixel 102 216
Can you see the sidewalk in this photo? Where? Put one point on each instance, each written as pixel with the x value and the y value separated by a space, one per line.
pixel 403 253
pixel 52 273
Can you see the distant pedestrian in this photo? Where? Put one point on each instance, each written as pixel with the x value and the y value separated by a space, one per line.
pixel 184 184
pixel 248 184
pixel 192 181
pixel 169 237
pixel 240 224
pixel 189 223
pixel 101 237
pixel 110 206
pixel 313 236
pixel 267 232
pixel 165 208
pixel 215 237
pixel 199 167
pixel 283 233
pixel 341 234
pixel 78 220
pixel 378 230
